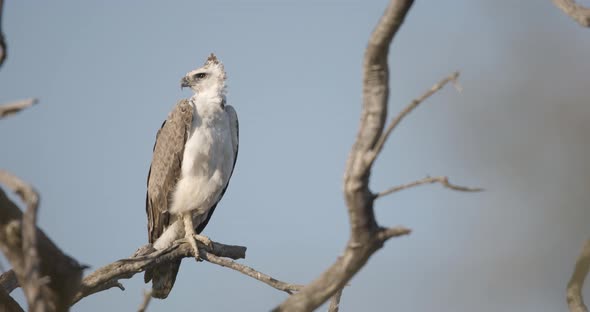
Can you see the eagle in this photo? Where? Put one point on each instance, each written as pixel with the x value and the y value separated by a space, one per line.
pixel 193 160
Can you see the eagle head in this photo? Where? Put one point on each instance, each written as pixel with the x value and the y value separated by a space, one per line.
pixel 209 77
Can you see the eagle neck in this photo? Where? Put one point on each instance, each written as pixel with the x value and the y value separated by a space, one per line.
pixel 208 104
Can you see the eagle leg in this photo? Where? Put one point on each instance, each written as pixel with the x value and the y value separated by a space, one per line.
pixel 189 233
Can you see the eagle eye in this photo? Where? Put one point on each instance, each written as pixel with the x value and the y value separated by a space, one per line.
pixel 201 75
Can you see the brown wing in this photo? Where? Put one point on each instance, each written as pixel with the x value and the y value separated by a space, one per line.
pixel 166 167
pixel 162 178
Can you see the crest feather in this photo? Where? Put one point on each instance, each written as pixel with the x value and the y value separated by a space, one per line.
pixel 212 59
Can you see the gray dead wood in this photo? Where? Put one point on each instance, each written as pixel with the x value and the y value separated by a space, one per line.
pixel 577 12
pixel 109 275
pixel 366 236
pixel 59 275
pixel 146 257
pixel 575 300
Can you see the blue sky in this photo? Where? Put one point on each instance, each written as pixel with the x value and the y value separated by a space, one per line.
pixel 107 73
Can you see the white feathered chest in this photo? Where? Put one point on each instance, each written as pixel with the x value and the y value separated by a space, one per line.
pixel 208 157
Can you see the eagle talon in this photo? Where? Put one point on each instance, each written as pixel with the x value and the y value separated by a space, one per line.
pixel 205 240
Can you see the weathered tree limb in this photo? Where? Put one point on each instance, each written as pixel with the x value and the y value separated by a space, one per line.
pixel 59 275
pixel 364 233
pixel 33 281
pixel 428 180
pixel 108 276
pixel 16 106
pixel 577 12
pixel 575 300
pixel 146 257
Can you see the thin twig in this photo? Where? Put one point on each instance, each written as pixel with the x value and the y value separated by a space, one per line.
pixel 577 12
pixel 428 180
pixel 147 297
pixel 399 117
pixel 244 269
pixel 335 301
pixel 575 300
pixel 16 106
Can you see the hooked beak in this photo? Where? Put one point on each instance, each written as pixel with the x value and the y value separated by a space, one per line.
pixel 184 82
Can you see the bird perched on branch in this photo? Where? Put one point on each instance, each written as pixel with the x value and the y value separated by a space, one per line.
pixel 194 156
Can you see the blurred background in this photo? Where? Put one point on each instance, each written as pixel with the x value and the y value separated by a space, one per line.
pixel 107 73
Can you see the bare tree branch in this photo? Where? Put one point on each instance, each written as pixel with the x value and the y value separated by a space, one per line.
pixel 147 297
pixel 16 106
pixel 109 275
pixel 428 180
pixel 397 119
pixel 577 12
pixel 32 268
pixel 575 285
pixel 59 274
pixel 335 301
pixel 8 281
pixel 364 233
pixel 146 257
pixel 32 281
pixel 286 287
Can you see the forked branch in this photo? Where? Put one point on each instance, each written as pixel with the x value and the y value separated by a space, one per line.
pixel 407 110
pixel 146 257
pixel 364 237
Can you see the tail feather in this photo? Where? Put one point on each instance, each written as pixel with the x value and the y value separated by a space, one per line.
pixel 163 277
